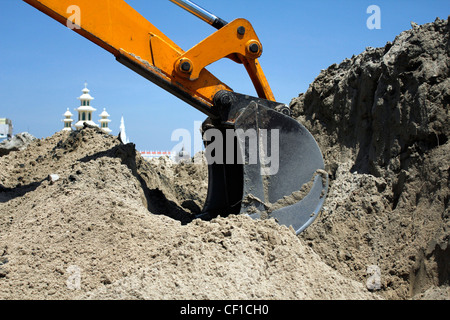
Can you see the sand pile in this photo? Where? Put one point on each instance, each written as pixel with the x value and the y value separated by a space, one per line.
pixel 18 142
pixel 382 121
pixel 113 226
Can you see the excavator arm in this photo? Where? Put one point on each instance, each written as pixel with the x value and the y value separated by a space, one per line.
pixel 292 185
pixel 135 42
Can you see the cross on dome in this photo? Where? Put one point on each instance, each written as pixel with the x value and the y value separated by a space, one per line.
pixel 85 90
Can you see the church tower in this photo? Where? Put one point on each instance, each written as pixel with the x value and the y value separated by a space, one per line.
pixel 85 110
pixel 67 120
pixel 122 133
pixel 104 121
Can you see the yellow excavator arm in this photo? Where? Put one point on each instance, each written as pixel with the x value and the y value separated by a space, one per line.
pixel 252 176
pixel 135 42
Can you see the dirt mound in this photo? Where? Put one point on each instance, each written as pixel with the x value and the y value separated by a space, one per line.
pixel 382 121
pixel 85 217
pixel 17 142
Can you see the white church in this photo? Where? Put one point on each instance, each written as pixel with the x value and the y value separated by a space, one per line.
pixel 85 111
pixel 85 115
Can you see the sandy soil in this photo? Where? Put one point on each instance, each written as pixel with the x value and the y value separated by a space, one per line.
pixel 382 121
pixel 100 231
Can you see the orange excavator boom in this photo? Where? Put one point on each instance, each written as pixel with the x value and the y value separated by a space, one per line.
pixel 256 175
pixel 135 42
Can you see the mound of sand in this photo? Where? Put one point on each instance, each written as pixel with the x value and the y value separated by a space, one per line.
pixel 18 142
pixel 111 227
pixel 382 121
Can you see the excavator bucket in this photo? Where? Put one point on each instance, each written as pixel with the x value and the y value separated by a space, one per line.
pixel 272 168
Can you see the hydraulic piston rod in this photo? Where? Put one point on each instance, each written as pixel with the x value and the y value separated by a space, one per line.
pixel 201 13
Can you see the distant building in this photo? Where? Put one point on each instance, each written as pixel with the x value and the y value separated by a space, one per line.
pixel 123 134
pixel 104 121
pixel 177 157
pixel 85 114
pixel 148 155
pixel 182 155
pixel 6 128
pixel 67 120
pixel 85 110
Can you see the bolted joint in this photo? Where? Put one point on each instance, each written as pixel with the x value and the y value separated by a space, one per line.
pixel 284 109
pixel 241 30
pixel 254 48
pixel 224 99
pixel 184 65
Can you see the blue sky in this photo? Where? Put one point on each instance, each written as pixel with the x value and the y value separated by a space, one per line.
pixel 43 65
